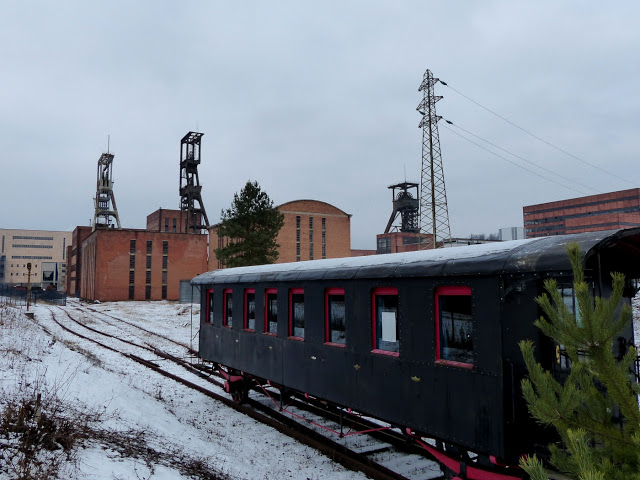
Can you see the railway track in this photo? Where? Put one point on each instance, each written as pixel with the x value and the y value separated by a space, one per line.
pixel 379 454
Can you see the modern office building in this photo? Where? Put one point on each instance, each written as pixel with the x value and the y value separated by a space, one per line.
pixel 605 211
pixel 45 250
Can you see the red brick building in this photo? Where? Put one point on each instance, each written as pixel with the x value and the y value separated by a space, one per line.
pixel 135 264
pixel 138 264
pixel 74 261
pixel 606 211
pixel 163 220
pixel 397 242
pixel 312 230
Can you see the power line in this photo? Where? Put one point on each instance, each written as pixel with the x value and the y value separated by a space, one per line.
pixel 513 163
pixel 537 137
pixel 522 158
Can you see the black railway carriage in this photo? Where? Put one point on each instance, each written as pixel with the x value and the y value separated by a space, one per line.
pixel 425 340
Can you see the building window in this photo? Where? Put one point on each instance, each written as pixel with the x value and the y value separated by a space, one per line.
pixel 64 247
pixel 149 247
pixel 227 314
pixel 310 238
pixel 296 313
pixel 164 277
pixel 250 310
pixel 271 311
pixel 324 238
pixel 165 248
pixel 132 246
pixel 297 238
pixel 165 261
pixel 147 292
pixel 454 326
pixel 132 275
pixel 148 277
pixel 131 292
pixel 384 245
pixel 209 318
pixel 166 224
pixel 132 261
pixel 174 225
pixel 334 308
pixel 385 321
pixel 148 261
pixel 164 292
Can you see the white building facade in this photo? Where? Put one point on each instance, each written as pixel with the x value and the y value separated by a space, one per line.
pixel 44 250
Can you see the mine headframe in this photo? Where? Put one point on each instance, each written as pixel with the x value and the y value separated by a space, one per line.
pixel 190 188
pixel 407 205
pixel 105 201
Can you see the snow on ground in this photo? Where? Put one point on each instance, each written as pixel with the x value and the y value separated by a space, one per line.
pixel 177 422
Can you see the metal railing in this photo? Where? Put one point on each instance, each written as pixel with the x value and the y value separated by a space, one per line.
pixel 18 296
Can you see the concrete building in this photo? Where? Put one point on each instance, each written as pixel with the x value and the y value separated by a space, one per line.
pixel 312 230
pixel 45 250
pixel 584 214
pixel 511 233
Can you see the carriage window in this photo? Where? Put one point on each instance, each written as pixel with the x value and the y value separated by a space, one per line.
pixel 454 325
pixel 335 316
pixel 250 310
pixel 296 313
pixel 271 311
pixel 227 315
pixel 384 303
pixel 209 318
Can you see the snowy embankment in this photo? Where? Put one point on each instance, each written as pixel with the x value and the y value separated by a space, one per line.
pixel 139 424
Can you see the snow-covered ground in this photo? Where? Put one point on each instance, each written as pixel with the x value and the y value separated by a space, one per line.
pixel 179 426
pixel 141 410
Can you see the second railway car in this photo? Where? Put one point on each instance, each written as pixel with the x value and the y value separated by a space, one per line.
pixel 426 340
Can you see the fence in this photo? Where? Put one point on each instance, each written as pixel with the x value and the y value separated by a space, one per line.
pixel 18 296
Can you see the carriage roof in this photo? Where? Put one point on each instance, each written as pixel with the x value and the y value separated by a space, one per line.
pixel 621 249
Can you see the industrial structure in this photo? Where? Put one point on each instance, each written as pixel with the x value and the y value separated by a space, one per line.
pixel 434 213
pixel 605 211
pixel 407 206
pixel 105 202
pixel 190 188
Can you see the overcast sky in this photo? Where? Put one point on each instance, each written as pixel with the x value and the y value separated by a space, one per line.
pixel 314 100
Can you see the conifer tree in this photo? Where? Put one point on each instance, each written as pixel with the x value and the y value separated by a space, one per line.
pixel 252 224
pixel 595 410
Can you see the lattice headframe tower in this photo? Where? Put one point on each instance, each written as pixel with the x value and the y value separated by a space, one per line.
pixel 405 205
pixel 434 213
pixel 190 188
pixel 105 202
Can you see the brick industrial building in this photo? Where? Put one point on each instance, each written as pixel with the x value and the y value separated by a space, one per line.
pixel 312 230
pixel 45 250
pixel 585 214
pixel 119 264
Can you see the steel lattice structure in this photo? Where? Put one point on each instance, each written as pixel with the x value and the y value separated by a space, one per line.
pixel 190 188
pixel 434 213
pixel 105 201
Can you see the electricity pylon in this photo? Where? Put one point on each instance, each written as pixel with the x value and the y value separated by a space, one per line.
pixel 434 213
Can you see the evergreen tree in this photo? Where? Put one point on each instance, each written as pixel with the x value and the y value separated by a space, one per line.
pixel 252 225
pixel 595 411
